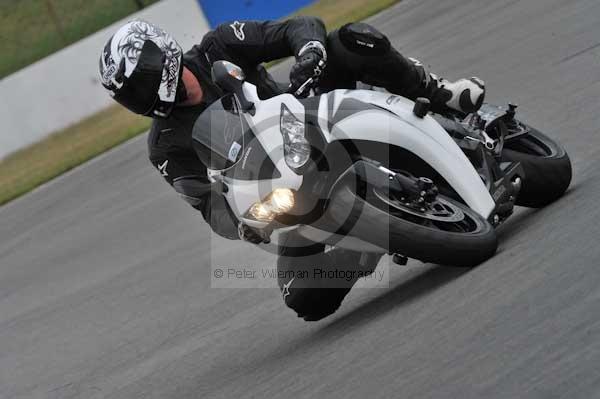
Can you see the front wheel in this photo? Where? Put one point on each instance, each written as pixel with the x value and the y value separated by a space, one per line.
pixel 446 232
pixel 547 168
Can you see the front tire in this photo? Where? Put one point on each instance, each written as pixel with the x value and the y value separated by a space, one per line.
pixel 547 168
pixel 375 221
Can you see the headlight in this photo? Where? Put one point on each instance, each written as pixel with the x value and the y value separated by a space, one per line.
pixel 280 201
pixel 295 146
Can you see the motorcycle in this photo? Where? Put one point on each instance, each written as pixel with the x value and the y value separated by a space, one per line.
pixel 375 172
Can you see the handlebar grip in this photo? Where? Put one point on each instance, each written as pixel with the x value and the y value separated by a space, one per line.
pixel 303 87
pixel 310 81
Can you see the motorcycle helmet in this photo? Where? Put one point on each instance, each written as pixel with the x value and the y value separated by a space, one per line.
pixel 141 67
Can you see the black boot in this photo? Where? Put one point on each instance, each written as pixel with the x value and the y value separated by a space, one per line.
pixel 464 95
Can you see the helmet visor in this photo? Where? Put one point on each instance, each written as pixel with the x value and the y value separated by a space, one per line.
pixel 139 92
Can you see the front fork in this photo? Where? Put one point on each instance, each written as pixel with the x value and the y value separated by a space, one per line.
pixel 408 189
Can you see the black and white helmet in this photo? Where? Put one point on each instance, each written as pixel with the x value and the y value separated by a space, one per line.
pixel 141 66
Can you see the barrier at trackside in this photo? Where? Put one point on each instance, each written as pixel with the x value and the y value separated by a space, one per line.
pixel 218 11
pixel 64 88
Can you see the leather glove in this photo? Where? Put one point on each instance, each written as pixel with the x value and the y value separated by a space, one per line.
pixel 253 235
pixel 310 63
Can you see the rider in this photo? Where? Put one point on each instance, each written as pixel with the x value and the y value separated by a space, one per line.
pixel 145 70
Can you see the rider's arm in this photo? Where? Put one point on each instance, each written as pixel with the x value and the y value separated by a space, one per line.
pixel 248 43
pixel 217 214
pixel 188 177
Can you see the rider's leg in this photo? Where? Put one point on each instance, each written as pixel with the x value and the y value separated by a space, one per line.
pixel 314 282
pixel 359 52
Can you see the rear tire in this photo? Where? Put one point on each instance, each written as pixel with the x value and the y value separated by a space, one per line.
pixel 547 168
pixel 373 223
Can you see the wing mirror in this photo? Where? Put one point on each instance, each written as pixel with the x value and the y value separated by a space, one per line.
pixel 230 78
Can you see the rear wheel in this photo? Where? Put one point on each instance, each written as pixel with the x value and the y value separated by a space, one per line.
pixel 547 168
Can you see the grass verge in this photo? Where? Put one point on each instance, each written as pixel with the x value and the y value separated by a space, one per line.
pixel 26 169
pixel 335 13
pixel 33 29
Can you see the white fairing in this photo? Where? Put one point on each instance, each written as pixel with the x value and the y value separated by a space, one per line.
pixel 423 137
pixel 400 127
pixel 265 125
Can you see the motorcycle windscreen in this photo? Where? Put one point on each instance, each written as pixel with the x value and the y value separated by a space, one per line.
pixel 218 134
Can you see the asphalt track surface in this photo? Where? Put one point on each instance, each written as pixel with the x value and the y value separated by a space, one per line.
pixel 105 285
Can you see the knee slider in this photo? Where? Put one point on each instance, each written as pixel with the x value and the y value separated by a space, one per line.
pixel 363 39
